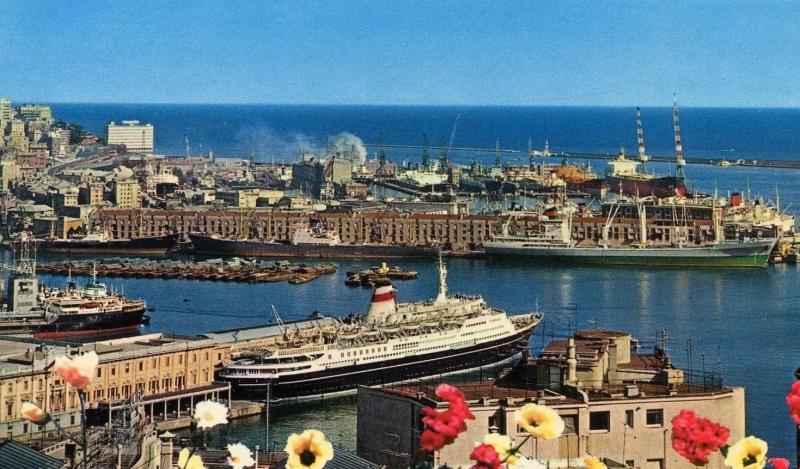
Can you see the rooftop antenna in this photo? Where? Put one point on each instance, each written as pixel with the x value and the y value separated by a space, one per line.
pixel 679 161
pixel 640 137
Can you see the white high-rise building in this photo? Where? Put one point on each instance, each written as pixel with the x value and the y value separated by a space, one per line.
pixel 137 138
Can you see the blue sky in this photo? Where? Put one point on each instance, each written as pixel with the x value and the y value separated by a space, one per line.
pixel 711 53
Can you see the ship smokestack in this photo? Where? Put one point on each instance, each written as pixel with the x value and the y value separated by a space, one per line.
pixel 382 305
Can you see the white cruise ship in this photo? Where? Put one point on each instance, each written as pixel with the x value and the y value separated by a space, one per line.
pixel 393 342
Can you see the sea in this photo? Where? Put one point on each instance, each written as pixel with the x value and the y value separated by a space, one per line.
pixel 740 323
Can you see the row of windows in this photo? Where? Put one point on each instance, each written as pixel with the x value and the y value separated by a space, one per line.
pixel 601 420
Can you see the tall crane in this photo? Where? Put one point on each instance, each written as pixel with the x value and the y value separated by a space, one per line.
pixel 679 161
pixel 186 141
pixel 445 156
pixel 640 137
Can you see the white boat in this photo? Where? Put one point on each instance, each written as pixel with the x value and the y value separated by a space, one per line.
pixel 393 342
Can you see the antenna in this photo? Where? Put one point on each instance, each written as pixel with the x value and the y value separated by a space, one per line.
pixel 679 161
pixel 640 137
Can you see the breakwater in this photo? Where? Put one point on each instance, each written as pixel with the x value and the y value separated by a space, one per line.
pixel 236 270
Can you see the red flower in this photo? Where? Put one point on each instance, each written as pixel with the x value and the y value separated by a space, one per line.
pixel 793 399
pixel 779 463
pixel 485 457
pixel 695 438
pixel 445 426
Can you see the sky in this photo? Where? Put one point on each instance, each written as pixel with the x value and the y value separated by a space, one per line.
pixel 512 52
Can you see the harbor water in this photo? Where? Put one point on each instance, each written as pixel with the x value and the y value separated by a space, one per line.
pixel 741 323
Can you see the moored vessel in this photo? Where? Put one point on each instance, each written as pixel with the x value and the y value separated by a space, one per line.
pixel 311 241
pixel 96 243
pixel 392 342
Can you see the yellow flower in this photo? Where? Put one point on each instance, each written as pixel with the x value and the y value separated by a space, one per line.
pixel 210 413
pixel 540 421
pixel 34 413
pixel 310 450
pixel 240 456
pixel 504 447
pixel 594 463
pixel 747 453
pixel 187 462
pixel 77 371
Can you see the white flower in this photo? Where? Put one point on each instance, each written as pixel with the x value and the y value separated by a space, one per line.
pixel 77 371
pixel 210 413
pixel 240 456
pixel 34 413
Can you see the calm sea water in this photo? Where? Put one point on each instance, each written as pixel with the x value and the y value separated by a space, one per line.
pixel 742 323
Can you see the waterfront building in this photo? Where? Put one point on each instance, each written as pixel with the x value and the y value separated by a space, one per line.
pixel 156 369
pixel 137 138
pixel 615 404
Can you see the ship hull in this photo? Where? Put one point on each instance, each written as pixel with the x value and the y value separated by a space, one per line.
pixel 341 379
pixel 147 245
pixel 660 187
pixel 77 325
pixel 743 254
pixel 205 244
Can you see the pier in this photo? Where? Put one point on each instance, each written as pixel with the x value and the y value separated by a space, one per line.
pixel 671 159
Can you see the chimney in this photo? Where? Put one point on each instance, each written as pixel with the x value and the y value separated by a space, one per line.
pixel 612 361
pixel 166 449
pixel 572 363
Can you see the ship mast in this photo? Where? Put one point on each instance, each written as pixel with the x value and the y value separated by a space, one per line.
pixel 441 298
pixel 640 137
pixel 679 161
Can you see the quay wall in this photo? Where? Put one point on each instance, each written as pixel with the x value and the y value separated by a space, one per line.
pixel 459 232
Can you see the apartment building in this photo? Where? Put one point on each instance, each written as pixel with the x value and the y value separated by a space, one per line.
pixel 137 138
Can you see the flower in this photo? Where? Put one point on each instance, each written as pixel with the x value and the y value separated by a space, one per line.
pixel 210 413
pixel 77 371
pixel 504 447
pixel 594 463
pixel 240 456
pixel 779 463
pixel 187 460
pixel 309 450
pixel 445 426
pixel 540 421
pixel 34 413
pixel 695 438
pixel 793 399
pixel 747 453
pixel 485 456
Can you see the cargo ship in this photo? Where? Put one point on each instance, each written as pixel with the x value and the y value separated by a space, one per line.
pixel 311 241
pixel 71 312
pixel 97 243
pixel 552 242
pixel 393 342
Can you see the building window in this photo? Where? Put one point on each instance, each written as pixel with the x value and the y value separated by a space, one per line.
pixel 141 366
pixel 630 463
pixel 570 424
pixel 655 417
pixel 600 421
pixel 629 418
pixel 654 464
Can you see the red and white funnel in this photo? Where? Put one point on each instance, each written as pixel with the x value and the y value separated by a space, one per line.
pixel 382 305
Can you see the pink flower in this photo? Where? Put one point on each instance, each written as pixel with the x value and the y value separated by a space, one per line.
pixel 779 463
pixel 695 438
pixel 445 426
pixel 77 371
pixel 793 399
pixel 485 457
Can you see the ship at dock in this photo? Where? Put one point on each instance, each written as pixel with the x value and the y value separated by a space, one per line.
pixel 101 243
pixel 392 342
pixel 312 241
pixel 670 238
pixel 50 313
